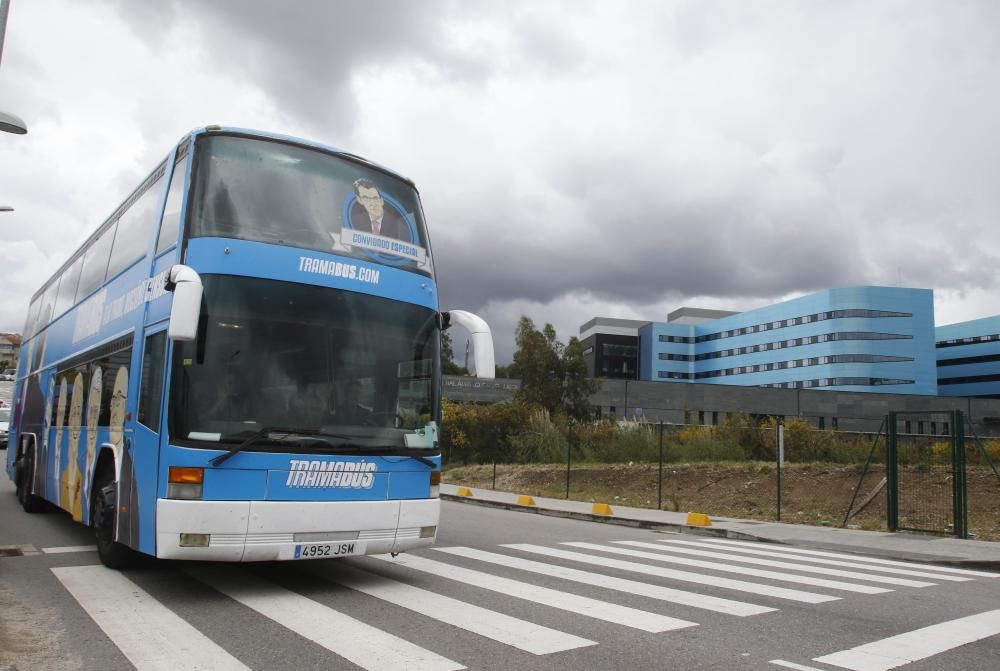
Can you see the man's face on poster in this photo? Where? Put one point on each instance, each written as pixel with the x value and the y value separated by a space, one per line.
pixel 371 200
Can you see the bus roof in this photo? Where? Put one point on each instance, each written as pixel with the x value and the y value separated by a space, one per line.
pixel 226 130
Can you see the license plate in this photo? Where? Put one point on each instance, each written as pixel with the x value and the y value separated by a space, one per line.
pixel 328 550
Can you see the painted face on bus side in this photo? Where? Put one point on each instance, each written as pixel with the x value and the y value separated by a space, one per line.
pixel 371 200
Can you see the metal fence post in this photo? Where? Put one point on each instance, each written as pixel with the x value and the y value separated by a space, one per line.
pixel 659 482
pixel 961 509
pixel 569 456
pixel 891 473
pixel 779 458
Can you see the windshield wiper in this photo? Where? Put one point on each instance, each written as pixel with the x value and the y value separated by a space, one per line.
pixel 423 460
pixel 334 447
pixel 404 452
pixel 254 437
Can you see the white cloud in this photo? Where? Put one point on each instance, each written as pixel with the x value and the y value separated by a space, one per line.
pixel 574 158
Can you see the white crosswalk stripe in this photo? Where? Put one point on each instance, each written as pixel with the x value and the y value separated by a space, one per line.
pixel 533 638
pixel 825 562
pixel 574 603
pixel 360 643
pixel 154 638
pixel 693 599
pixel 687 576
pixel 69 548
pixel 729 568
pixel 794 566
pixel 149 634
pixel 913 646
pixel 860 558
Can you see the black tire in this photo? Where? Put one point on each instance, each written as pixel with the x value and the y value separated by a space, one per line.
pixel 103 509
pixel 25 471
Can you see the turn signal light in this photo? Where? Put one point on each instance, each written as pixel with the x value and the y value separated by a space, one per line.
pixel 185 482
pixel 188 475
pixel 435 484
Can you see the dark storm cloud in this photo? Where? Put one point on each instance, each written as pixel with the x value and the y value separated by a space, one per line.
pixel 621 253
pixel 743 151
pixel 305 54
pixel 302 54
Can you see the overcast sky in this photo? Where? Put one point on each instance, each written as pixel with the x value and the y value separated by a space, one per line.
pixel 575 158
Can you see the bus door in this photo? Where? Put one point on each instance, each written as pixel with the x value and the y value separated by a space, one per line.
pixel 140 458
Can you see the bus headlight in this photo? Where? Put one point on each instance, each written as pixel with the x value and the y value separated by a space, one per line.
pixel 185 482
pixel 435 484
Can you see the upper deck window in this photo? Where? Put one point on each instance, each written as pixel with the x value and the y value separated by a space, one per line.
pixel 280 193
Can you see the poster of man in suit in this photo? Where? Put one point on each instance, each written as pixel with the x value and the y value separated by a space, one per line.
pixel 370 213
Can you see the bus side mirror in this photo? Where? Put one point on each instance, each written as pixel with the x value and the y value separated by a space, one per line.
pixel 482 340
pixel 186 308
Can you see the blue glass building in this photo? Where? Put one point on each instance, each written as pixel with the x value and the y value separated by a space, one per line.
pixel 968 358
pixel 877 339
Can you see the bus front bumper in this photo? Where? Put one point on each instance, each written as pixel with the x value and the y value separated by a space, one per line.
pixel 278 530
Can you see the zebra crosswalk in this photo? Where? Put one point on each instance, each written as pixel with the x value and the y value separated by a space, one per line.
pixel 466 593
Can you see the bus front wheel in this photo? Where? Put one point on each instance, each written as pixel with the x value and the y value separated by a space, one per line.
pixel 25 475
pixel 102 517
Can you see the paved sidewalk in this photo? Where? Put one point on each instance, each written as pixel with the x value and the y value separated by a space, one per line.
pixel 905 546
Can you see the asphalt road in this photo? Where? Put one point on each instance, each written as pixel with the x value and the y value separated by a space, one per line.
pixel 473 602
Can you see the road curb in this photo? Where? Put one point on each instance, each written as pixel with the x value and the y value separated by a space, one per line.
pixel 606 519
pixel 717 532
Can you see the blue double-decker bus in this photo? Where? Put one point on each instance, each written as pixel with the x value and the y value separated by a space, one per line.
pixel 243 362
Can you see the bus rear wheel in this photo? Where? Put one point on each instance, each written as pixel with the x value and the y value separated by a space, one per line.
pixel 102 517
pixel 25 475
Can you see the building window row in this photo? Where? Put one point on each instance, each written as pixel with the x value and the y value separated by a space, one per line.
pixel 800 363
pixel 806 319
pixel 955 342
pixel 667 356
pixel 670 375
pixel 986 358
pixel 969 379
pixel 681 339
pixel 608 349
pixel 798 342
pixel 837 382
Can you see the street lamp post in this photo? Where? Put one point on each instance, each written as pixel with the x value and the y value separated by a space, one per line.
pixel 9 123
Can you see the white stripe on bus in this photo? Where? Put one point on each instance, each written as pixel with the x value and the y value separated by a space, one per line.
pixel 700 578
pixel 573 603
pixel 527 636
pixel 916 645
pixel 703 601
pixel 150 635
pixel 825 562
pixel 359 643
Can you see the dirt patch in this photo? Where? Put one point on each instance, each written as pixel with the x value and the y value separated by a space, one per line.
pixel 819 494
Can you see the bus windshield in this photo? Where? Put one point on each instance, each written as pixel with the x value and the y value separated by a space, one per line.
pixel 308 368
pixel 271 191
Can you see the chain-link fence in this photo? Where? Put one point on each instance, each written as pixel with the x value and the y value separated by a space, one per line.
pixel 743 466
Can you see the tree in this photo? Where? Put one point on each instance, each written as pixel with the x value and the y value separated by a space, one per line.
pixel 552 375
pixel 538 365
pixel 578 386
pixel 448 365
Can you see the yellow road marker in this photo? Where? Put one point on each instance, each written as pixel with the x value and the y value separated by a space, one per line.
pixel 699 520
pixel 602 509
